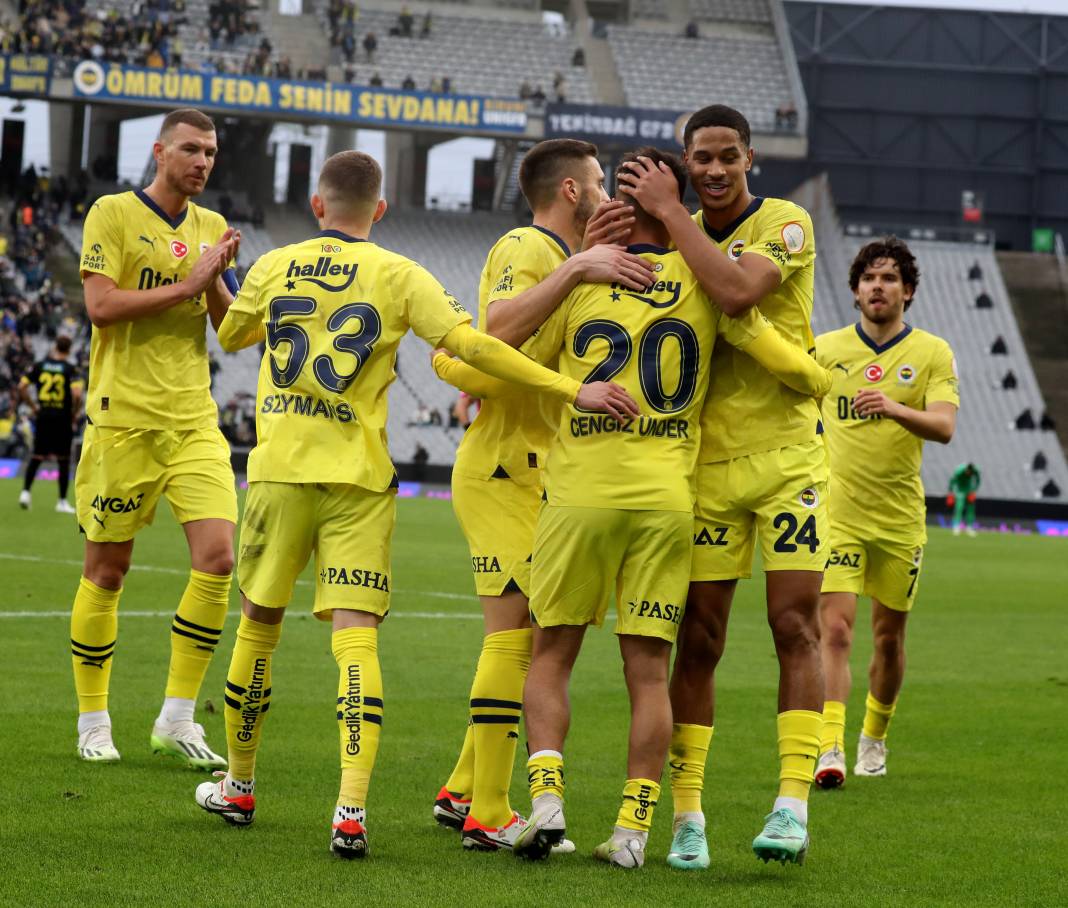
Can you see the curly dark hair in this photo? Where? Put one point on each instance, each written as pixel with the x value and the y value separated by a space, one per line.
pixel 888 247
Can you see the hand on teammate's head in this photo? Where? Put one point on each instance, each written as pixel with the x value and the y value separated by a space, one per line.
pixel 611 224
pixel 613 264
pixel 654 187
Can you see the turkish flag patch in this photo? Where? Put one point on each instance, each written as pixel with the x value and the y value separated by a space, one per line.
pixel 874 372
pixel 179 249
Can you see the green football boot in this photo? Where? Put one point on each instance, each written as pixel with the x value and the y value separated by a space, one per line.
pixel 783 838
pixel 689 849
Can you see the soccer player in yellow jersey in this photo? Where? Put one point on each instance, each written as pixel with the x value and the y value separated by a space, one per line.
pixel 895 387
pixel 332 310
pixel 762 476
pixel 154 267
pixel 619 496
pixel 496 480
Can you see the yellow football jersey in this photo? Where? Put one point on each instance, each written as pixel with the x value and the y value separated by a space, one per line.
pixel 658 345
pixel 512 433
pixel 875 488
pixel 151 373
pixel 333 310
pixel 747 410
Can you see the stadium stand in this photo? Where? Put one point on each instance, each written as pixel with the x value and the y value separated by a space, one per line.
pixel 664 70
pixel 741 11
pixel 483 50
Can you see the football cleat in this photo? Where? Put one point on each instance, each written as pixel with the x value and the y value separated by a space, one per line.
pixel 626 853
pixel 185 740
pixel 450 810
pixel 831 769
pixel 476 837
pixel 689 848
pixel 95 745
pixel 783 838
pixel 25 500
pixel 212 797
pixel 871 757
pixel 543 830
pixel 63 507
pixel 348 840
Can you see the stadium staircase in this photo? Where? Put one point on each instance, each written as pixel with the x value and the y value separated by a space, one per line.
pixel 1039 293
pixel 300 38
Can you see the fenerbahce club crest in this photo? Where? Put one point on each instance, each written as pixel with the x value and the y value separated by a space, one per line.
pixel 809 497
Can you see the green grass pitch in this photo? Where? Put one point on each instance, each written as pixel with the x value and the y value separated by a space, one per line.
pixel 972 813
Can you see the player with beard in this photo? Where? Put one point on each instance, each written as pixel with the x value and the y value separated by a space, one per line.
pixel 762 475
pixel 895 387
pixel 497 477
pixel 155 270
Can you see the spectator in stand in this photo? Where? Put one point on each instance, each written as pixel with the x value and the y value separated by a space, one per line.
pixel 370 45
pixel 559 86
pixel 409 83
pixel 376 81
pixel 691 30
pixel 435 85
pixel 446 85
pixel 525 91
pixel 348 46
pixel 424 32
pixel 538 95
pixel 579 57
pixel 405 22
pixel 419 461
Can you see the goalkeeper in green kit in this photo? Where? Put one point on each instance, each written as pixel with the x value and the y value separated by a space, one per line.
pixel 963 487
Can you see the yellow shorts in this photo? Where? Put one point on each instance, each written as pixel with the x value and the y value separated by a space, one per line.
pixel 779 496
pixel 585 557
pixel 123 472
pixel 888 572
pixel 350 530
pixel 497 517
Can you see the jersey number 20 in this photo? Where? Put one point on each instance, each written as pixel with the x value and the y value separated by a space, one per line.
pixel 620 348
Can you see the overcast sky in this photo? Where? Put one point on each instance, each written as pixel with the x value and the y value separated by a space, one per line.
pixel 1009 6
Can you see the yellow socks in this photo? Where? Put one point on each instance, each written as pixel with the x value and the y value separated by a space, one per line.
pixel 248 693
pixel 94 625
pixel 462 780
pixel 496 705
pixel 799 744
pixel 359 712
pixel 639 801
pixel 195 633
pixel 877 717
pixel 832 736
pixel 687 757
pixel 545 774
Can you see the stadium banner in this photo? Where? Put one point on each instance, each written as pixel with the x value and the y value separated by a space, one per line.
pixel 625 126
pixel 25 73
pixel 355 104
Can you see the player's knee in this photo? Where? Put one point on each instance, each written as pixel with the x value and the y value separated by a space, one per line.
pixel 218 560
pixel 794 630
pixel 836 633
pixel 108 575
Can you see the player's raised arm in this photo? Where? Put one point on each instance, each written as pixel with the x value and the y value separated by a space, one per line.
pixel 501 361
pixel 563 183
pixel 107 304
pixel 243 323
pixel 220 293
pixel 733 286
pixel 467 378
pixel 789 364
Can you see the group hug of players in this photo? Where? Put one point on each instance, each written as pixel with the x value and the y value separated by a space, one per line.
pixel 649 415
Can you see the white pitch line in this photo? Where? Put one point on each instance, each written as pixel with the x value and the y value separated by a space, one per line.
pixel 156 569
pixel 56 613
